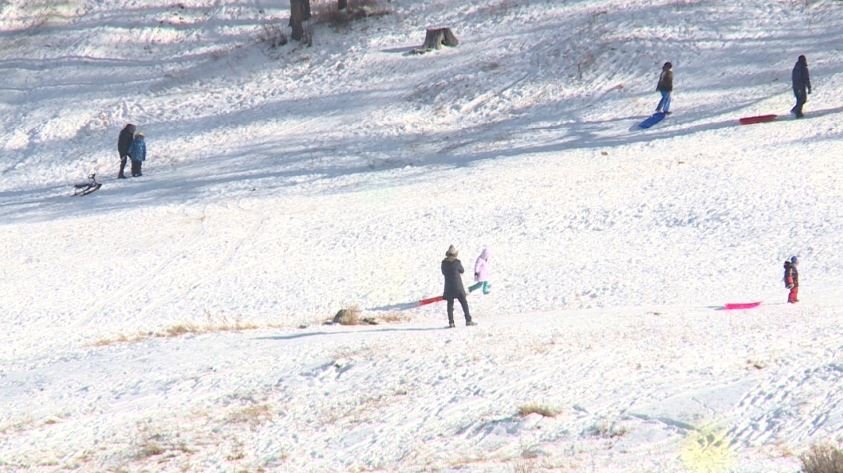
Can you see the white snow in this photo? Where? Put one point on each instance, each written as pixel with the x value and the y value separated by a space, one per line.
pixel 284 184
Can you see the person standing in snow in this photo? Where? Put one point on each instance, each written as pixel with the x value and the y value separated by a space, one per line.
pixel 137 153
pixel 665 87
pixel 791 279
pixel 801 85
pixel 452 270
pixel 481 269
pixel 124 142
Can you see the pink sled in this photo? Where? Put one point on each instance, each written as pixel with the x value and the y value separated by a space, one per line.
pixel 741 305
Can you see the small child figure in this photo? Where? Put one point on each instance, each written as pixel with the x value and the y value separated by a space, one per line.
pixel 137 153
pixel 791 279
pixel 481 270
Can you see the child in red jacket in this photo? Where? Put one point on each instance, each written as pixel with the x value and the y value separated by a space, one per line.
pixel 791 279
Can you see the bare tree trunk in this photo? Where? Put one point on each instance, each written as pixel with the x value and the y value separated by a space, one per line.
pixel 342 4
pixel 435 38
pixel 296 20
pixel 299 13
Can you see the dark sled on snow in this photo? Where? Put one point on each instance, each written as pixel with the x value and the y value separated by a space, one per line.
pixel 652 120
pixel 85 188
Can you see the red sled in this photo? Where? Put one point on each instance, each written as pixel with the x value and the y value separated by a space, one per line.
pixel 472 288
pixel 431 300
pixel 757 119
pixel 741 305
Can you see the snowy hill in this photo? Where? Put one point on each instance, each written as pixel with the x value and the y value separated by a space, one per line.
pixel 173 322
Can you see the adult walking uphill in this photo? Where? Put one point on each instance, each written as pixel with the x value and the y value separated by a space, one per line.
pixel 801 81
pixel 791 280
pixel 665 88
pixel 452 270
pixel 801 85
pixel 124 143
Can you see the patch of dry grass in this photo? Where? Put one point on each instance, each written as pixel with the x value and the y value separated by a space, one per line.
pixel 236 455
pixel 365 409
pixel 755 364
pixel 780 449
pixel 253 415
pixel 17 426
pixel 51 421
pixel 352 315
pixel 180 440
pixel 151 443
pixel 540 409
pixel 608 430
pixel 150 448
pixel 272 35
pixel 348 316
pixel 393 318
pixel 326 11
pixel 822 459
pixel 523 467
pixel 183 329
pixel 104 342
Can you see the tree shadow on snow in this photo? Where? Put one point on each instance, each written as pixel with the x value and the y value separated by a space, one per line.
pixel 399 50
pixel 292 158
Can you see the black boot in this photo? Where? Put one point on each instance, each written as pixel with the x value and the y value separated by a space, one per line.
pixel 123 160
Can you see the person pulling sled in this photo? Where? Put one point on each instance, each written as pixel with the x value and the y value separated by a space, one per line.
pixel 452 270
pixel 791 279
pixel 801 79
pixel 665 88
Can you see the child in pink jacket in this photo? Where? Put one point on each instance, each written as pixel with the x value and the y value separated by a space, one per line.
pixel 481 269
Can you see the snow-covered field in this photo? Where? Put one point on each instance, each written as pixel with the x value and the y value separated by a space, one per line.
pixel 174 322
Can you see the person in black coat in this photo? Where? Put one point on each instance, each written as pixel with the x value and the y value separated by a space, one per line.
pixel 124 142
pixel 452 270
pixel 801 85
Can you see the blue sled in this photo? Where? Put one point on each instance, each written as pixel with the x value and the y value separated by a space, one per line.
pixel 652 120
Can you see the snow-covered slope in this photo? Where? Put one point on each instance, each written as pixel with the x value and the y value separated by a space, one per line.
pixel 286 183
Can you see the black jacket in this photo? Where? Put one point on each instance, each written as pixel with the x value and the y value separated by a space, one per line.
pixel 452 270
pixel 124 142
pixel 791 274
pixel 665 81
pixel 800 76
